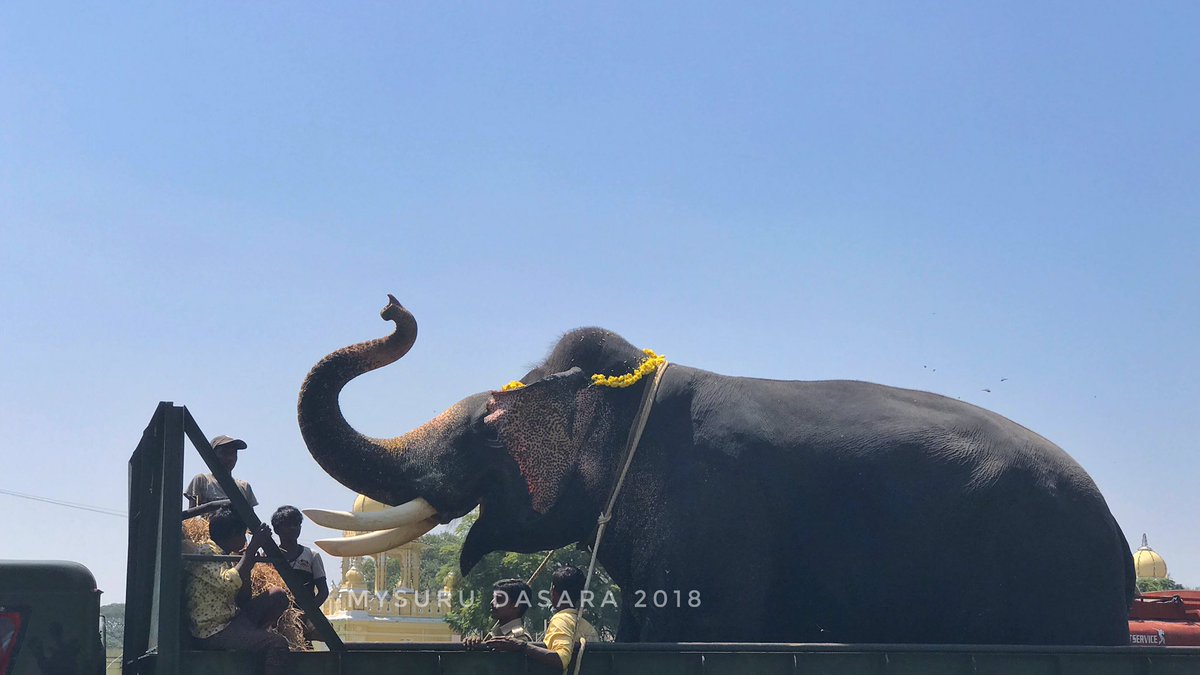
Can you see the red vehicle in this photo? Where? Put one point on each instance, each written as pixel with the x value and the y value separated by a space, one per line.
pixel 1165 619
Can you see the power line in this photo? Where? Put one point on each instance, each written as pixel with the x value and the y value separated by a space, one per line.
pixel 70 505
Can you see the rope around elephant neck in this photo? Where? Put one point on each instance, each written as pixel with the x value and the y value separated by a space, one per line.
pixel 635 436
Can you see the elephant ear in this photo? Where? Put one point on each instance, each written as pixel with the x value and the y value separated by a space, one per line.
pixel 538 425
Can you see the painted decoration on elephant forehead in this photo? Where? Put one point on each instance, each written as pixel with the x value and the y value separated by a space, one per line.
pixel 652 363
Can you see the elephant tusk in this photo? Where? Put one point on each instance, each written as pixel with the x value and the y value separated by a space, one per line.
pixel 397 516
pixel 376 542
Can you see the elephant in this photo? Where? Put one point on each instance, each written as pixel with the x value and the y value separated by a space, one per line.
pixel 763 510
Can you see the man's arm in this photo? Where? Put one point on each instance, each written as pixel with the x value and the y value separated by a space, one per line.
pixel 320 584
pixel 536 653
pixel 322 588
pixel 192 492
pixel 246 564
pixel 250 498
pixel 201 509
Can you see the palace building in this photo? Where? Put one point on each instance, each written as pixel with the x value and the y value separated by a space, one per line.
pixel 1148 564
pixel 408 612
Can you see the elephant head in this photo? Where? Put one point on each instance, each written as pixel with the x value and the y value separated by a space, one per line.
pixel 537 457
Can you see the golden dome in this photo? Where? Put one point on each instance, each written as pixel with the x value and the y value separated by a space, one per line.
pixel 354 578
pixel 364 504
pixel 451 582
pixel 1148 564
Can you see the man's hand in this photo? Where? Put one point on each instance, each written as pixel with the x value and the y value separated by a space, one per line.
pixel 473 643
pixel 261 536
pixel 505 644
pixel 246 564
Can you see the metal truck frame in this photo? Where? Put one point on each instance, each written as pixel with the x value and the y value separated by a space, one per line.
pixel 156 639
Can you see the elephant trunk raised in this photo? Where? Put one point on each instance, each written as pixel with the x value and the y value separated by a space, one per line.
pixel 389 470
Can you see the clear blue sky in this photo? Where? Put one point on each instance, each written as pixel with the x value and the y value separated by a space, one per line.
pixel 199 201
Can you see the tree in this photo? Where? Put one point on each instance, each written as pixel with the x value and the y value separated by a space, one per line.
pixel 439 558
pixel 475 590
pixel 1146 585
pixel 393 573
pixel 113 620
pixel 440 554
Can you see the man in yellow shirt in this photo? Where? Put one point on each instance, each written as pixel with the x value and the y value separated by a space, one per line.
pixel 566 596
pixel 220 610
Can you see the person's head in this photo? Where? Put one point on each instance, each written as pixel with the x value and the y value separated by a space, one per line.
pixel 227 448
pixel 511 598
pixel 227 530
pixel 566 587
pixel 286 522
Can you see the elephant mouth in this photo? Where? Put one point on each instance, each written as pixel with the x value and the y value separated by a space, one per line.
pixel 505 516
pixel 380 530
pixel 488 477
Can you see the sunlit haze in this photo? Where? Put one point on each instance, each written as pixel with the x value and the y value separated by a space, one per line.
pixel 992 201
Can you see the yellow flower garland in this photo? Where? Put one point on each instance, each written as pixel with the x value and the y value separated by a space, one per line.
pixel 652 362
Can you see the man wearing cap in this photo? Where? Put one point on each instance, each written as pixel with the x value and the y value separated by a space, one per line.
pixel 204 487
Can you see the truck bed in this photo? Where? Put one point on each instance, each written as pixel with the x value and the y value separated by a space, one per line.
pixel 734 659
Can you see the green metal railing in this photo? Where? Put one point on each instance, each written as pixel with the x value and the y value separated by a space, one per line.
pixel 154 631
pixel 733 659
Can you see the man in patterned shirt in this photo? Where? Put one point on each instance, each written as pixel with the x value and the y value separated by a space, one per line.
pixel 221 612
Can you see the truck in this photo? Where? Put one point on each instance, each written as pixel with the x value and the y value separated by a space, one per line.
pixel 49 616
pixel 49 619
pixel 1165 618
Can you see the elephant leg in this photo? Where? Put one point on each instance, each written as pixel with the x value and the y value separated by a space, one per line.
pixel 629 629
pixel 706 575
pixel 685 603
